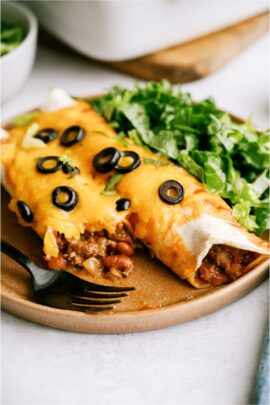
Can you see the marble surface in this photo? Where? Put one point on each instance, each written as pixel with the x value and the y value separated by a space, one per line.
pixel 209 361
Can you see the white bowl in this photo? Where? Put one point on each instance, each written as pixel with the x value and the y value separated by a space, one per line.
pixel 17 64
pixel 117 29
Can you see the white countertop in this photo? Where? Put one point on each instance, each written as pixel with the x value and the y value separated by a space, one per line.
pixel 209 361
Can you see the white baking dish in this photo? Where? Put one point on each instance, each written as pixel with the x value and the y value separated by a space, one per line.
pixel 119 30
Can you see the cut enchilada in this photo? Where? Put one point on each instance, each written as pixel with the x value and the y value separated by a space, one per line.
pixel 197 238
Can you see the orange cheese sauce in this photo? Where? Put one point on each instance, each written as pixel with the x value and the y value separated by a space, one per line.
pixel 155 219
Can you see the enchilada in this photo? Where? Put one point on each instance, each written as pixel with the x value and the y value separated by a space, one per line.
pixel 92 196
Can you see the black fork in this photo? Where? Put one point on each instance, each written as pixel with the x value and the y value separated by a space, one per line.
pixel 60 289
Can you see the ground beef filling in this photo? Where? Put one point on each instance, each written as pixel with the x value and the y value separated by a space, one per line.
pixel 99 253
pixel 224 264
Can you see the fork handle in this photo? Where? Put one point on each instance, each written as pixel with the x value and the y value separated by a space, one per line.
pixel 18 256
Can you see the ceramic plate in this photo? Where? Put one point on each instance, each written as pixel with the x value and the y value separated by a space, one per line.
pixel 161 299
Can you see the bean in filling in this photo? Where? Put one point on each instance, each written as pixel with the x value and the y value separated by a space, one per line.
pixel 99 253
pixel 224 264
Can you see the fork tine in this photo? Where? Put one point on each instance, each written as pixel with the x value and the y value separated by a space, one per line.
pixel 91 308
pixel 107 288
pixel 75 299
pixel 80 284
pixel 104 295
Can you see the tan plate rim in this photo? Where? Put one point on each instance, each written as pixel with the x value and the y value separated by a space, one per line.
pixel 136 321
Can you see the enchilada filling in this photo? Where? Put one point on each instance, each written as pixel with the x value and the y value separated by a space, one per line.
pixel 224 264
pixel 100 253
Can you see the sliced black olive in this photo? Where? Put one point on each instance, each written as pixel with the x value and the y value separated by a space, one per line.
pixel 25 212
pixel 67 168
pixel 122 204
pixel 171 192
pixel 72 198
pixel 135 162
pixel 46 169
pixel 72 135
pixel 106 160
pixel 46 135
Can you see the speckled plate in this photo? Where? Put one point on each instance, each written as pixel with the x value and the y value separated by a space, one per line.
pixel 161 299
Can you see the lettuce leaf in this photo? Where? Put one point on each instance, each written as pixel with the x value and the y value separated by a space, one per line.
pixel 136 115
pixel 241 212
pixel 109 188
pixel 24 119
pixel 189 164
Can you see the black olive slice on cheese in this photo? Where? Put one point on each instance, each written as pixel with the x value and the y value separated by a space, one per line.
pixel 171 192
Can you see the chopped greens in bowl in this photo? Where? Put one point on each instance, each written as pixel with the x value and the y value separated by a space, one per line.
pixel 11 37
pixel 230 158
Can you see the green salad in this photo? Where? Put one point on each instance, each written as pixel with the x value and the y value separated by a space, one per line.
pixel 11 37
pixel 230 158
